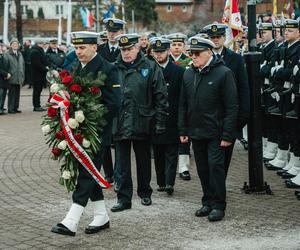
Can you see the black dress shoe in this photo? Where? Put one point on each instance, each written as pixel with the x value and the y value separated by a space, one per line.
pixel 11 112
pixel 216 215
pixel 280 172
pixel 18 111
pixel 109 179
pixel 297 192
pixel 185 175
pixel 161 189
pixel 290 184
pixel 287 175
pixel 39 109
pixel 120 207
pixel 169 189
pixel 96 229
pixel 271 167
pixel 203 211
pixel 146 201
pixel 61 229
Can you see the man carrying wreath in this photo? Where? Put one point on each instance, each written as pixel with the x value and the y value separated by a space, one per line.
pixel 90 63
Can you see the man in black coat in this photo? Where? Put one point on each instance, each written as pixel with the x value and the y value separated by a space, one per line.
pixel 207 114
pixel 4 77
pixel 143 104
pixel 235 62
pixel 39 70
pixel 55 56
pixel 165 146
pixel 86 187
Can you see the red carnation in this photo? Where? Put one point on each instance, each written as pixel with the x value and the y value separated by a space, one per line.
pixel 67 80
pixel 177 63
pixel 52 112
pixel 56 151
pixel 63 74
pixel 78 138
pixel 60 135
pixel 76 88
pixel 94 90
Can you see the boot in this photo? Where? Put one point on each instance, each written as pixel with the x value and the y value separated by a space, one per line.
pixel 288 166
pixel 270 151
pixel 101 219
pixel 295 169
pixel 69 224
pixel 280 160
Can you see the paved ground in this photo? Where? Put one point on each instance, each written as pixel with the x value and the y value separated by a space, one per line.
pixel 31 202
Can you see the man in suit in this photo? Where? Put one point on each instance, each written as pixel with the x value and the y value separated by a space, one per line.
pixel 110 51
pixel 235 62
pixel 55 56
pixel 165 146
pixel 87 188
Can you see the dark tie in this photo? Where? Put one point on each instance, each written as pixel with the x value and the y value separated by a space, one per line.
pixel 112 50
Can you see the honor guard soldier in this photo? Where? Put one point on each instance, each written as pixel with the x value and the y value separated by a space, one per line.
pixel 282 75
pixel 208 112
pixel 143 103
pixel 55 56
pixel 110 50
pixel 165 146
pixel 103 37
pixel 87 188
pixel 177 51
pixel 235 62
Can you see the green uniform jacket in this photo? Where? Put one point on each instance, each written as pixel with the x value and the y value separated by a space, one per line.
pixel 143 100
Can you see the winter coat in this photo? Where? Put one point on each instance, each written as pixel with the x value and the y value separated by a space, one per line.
pixel 143 100
pixel 55 60
pixel 15 66
pixel 3 73
pixel 208 105
pixel 38 65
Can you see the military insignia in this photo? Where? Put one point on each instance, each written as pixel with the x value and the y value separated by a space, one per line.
pixel 158 43
pixel 214 28
pixel 124 39
pixel 194 41
pixel 144 72
pixel 110 23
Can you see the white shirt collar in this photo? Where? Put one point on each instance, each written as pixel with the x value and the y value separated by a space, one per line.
pixel 176 59
pixel 112 45
pixel 290 44
pixel 208 62
pixel 83 65
pixel 218 53
pixel 164 65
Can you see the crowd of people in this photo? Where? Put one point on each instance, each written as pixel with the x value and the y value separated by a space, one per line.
pixel 172 93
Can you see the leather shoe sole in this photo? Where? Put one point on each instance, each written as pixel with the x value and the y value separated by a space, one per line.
pixel 203 211
pixel 61 229
pixel 95 229
pixel 120 207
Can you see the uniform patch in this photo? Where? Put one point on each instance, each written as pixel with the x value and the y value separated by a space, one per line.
pixel 144 72
pixel 116 86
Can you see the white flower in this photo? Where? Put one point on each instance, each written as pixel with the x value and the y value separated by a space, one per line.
pixel 66 175
pixel 46 129
pixel 86 143
pixel 62 145
pixel 79 116
pixel 54 88
pixel 73 123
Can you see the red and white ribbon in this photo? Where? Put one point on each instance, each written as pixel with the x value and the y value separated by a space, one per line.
pixel 61 100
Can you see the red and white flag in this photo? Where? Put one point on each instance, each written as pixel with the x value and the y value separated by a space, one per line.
pixel 232 18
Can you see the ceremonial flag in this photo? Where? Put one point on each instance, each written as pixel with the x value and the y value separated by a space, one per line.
pixel 232 18
pixel 87 17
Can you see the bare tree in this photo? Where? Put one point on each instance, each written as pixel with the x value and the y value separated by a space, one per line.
pixel 19 21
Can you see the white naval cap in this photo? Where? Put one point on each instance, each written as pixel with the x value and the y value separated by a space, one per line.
pixel 177 37
pixel 127 40
pixel 114 24
pixel 199 43
pixel 84 37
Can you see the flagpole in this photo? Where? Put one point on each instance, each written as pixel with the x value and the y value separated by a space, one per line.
pixel 59 29
pixel 5 23
pixel 97 16
pixel 69 22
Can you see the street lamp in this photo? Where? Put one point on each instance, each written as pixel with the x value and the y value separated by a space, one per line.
pixel 255 158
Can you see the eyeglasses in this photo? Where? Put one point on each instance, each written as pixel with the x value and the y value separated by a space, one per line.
pixel 196 52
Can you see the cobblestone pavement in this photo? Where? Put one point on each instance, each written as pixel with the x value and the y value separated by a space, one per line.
pixel 31 202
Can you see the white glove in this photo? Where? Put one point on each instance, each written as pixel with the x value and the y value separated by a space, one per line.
pixel 295 70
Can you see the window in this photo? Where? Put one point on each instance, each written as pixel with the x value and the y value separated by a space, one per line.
pixel 169 8
pixel 24 9
pixel 184 8
pixel 61 7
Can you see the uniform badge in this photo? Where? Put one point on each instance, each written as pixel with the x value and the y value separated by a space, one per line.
pixel 144 72
pixel 214 28
pixel 124 39
pixel 158 43
pixel 194 41
pixel 110 23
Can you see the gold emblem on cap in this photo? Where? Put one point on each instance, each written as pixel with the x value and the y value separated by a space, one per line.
pixel 194 41
pixel 110 23
pixel 158 43
pixel 124 39
pixel 214 28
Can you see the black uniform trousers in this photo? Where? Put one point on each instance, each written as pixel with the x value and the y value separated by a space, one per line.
pixel 36 94
pixel 86 187
pixel 184 148
pixel 209 158
pixel 107 162
pixel 3 92
pixel 143 169
pixel 228 156
pixel 165 159
pixel 13 97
